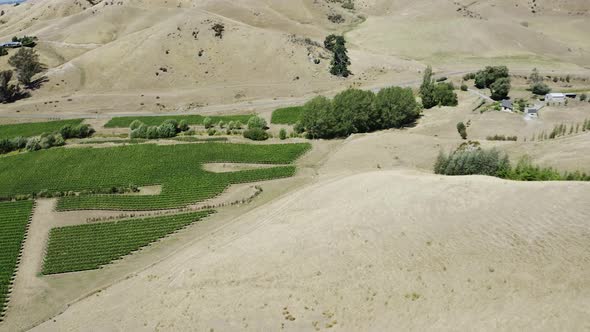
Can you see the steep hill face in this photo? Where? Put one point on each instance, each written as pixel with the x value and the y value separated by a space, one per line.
pixel 140 46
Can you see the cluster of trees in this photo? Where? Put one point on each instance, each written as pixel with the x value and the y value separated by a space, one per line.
pixel 256 131
pixel 26 64
pixel 358 111
pixel 46 140
pixel 168 128
pixel 537 86
pixel 436 93
pixel 476 161
pixel 495 78
pixel 340 61
pixel 26 41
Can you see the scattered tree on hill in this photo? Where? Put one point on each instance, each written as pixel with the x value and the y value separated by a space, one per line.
pixel 341 61
pixel 444 94
pixel 26 62
pixel 462 129
pixel 433 94
pixel 219 29
pixel 8 92
pixel 427 89
pixel 500 88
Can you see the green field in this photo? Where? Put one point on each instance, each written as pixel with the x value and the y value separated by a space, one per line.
pixel 14 219
pixel 34 128
pixel 176 167
pixel 90 246
pixel 124 122
pixel 288 115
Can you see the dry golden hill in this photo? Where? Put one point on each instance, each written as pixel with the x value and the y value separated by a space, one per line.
pixel 370 252
pixel 134 47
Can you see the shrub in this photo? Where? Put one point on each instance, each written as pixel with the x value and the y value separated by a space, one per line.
pixel 135 124
pixel 183 126
pixel 79 131
pixel 257 122
pixel 462 129
pixel 238 124
pixel 540 88
pixel 472 162
pixel 33 144
pixel 231 125
pixel 3 51
pixel 500 88
pixel 464 87
pixel 469 76
pixel 256 134
pixel 488 76
pixel 207 122
pixel 211 132
pixel 445 95
pixel 166 130
pixel 583 97
pixel 221 124
pixel 283 134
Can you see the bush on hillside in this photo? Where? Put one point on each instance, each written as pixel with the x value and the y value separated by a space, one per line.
pixel 257 122
pixel 256 134
pixel 540 88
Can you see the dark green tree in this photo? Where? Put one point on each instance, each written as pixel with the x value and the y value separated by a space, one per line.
pixel 444 94
pixel 427 89
pixel 318 118
pixel 8 91
pixel 26 62
pixel 394 107
pixel 352 108
pixel 462 129
pixel 500 88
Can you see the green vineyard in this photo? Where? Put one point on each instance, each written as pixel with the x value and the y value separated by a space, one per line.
pixel 34 128
pixel 125 121
pixel 14 221
pixel 177 168
pixel 90 246
pixel 287 115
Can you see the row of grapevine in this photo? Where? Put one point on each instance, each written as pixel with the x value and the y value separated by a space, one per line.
pixel 176 167
pixel 176 192
pixel 287 115
pixel 124 122
pixel 91 246
pixel 34 128
pixel 14 221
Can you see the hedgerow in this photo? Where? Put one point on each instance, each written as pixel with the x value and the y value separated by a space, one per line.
pixel 14 220
pixel 90 246
pixel 177 168
pixel 124 122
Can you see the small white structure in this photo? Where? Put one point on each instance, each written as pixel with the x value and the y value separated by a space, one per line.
pixel 532 113
pixel 507 105
pixel 556 97
pixel 11 44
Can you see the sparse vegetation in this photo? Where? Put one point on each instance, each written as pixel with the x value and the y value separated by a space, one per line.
pixel 219 29
pixel 124 122
pixel 502 138
pixel 169 128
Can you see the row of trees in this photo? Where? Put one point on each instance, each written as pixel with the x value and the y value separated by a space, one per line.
pixel 491 162
pixel 358 111
pixel 435 93
pixel 168 128
pixel 46 140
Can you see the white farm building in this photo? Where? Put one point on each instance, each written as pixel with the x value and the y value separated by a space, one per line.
pixel 555 97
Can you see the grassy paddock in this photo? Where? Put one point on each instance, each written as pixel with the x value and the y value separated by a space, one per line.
pixel 287 115
pixel 177 168
pixel 14 220
pixel 125 121
pixel 90 246
pixel 34 128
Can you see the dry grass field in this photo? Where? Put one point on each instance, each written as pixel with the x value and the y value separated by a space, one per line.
pixel 364 237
